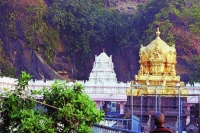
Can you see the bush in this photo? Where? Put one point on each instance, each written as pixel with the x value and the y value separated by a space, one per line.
pixel 68 109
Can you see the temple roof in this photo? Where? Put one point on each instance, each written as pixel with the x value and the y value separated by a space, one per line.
pixel 103 57
pixel 157 68
pixel 158 42
pixel 103 70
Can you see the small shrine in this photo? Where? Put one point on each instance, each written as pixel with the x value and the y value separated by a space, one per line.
pixel 158 85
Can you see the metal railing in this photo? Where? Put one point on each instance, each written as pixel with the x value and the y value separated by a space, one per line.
pixel 117 125
pixel 104 129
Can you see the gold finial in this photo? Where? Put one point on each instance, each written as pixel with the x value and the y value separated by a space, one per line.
pixel 158 32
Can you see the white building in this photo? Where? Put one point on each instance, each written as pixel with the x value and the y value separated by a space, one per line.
pixel 194 92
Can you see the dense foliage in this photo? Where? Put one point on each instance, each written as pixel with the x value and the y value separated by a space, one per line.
pixel 82 25
pixel 169 15
pixel 64 109
pixel 26 20
pixel 196 75
pixel 5 68
pixel 85 23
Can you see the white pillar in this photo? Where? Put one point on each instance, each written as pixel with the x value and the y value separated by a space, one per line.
pixel 98 104
pixel 121 107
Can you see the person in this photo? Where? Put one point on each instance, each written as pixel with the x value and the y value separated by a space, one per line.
pixel 159 122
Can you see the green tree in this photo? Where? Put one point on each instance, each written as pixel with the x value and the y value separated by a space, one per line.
pixel 115 29
pixel 75 111
pixel 76 20
pixel 85 24
pixel 68 109
pixel 5 68
pixel 195 77
pixel 27 21
pixel 165 14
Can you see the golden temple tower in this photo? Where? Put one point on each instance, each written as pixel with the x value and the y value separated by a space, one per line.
pixel 156 86
pixel 157 68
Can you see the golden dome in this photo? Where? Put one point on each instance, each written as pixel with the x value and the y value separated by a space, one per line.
pixel 159 44
pixel 158 51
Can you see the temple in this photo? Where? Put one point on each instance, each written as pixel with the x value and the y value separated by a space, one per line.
pixel 156 86
pixel 103 87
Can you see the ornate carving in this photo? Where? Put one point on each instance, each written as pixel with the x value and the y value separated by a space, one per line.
pixel 141 71
pixel 157 53
pixel 143 54
pixel 164 81
pixel 157 61
pixel 171 56
pixel 173 71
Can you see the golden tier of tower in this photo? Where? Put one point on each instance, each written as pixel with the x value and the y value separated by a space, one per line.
pixel 157 70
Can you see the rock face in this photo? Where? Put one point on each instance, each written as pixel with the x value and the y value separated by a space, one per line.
pixel 25 59
pixel 128 6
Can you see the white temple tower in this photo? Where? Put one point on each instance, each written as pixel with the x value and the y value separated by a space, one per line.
pixel 103 70
pixel 103 85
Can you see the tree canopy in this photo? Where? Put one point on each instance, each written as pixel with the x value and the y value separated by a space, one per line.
pixel 64 109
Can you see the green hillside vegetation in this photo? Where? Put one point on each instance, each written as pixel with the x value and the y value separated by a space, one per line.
pixel 82 25
pixel 168 14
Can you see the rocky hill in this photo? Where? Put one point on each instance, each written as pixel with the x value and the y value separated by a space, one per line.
pixel 53 39
pixel 127 6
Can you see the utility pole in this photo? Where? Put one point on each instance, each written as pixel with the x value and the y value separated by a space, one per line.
pixel 131 108
pixel 179 109
pixel 141 111
pixel 156 103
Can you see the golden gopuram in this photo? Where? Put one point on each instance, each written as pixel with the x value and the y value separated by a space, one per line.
pixel 158 85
